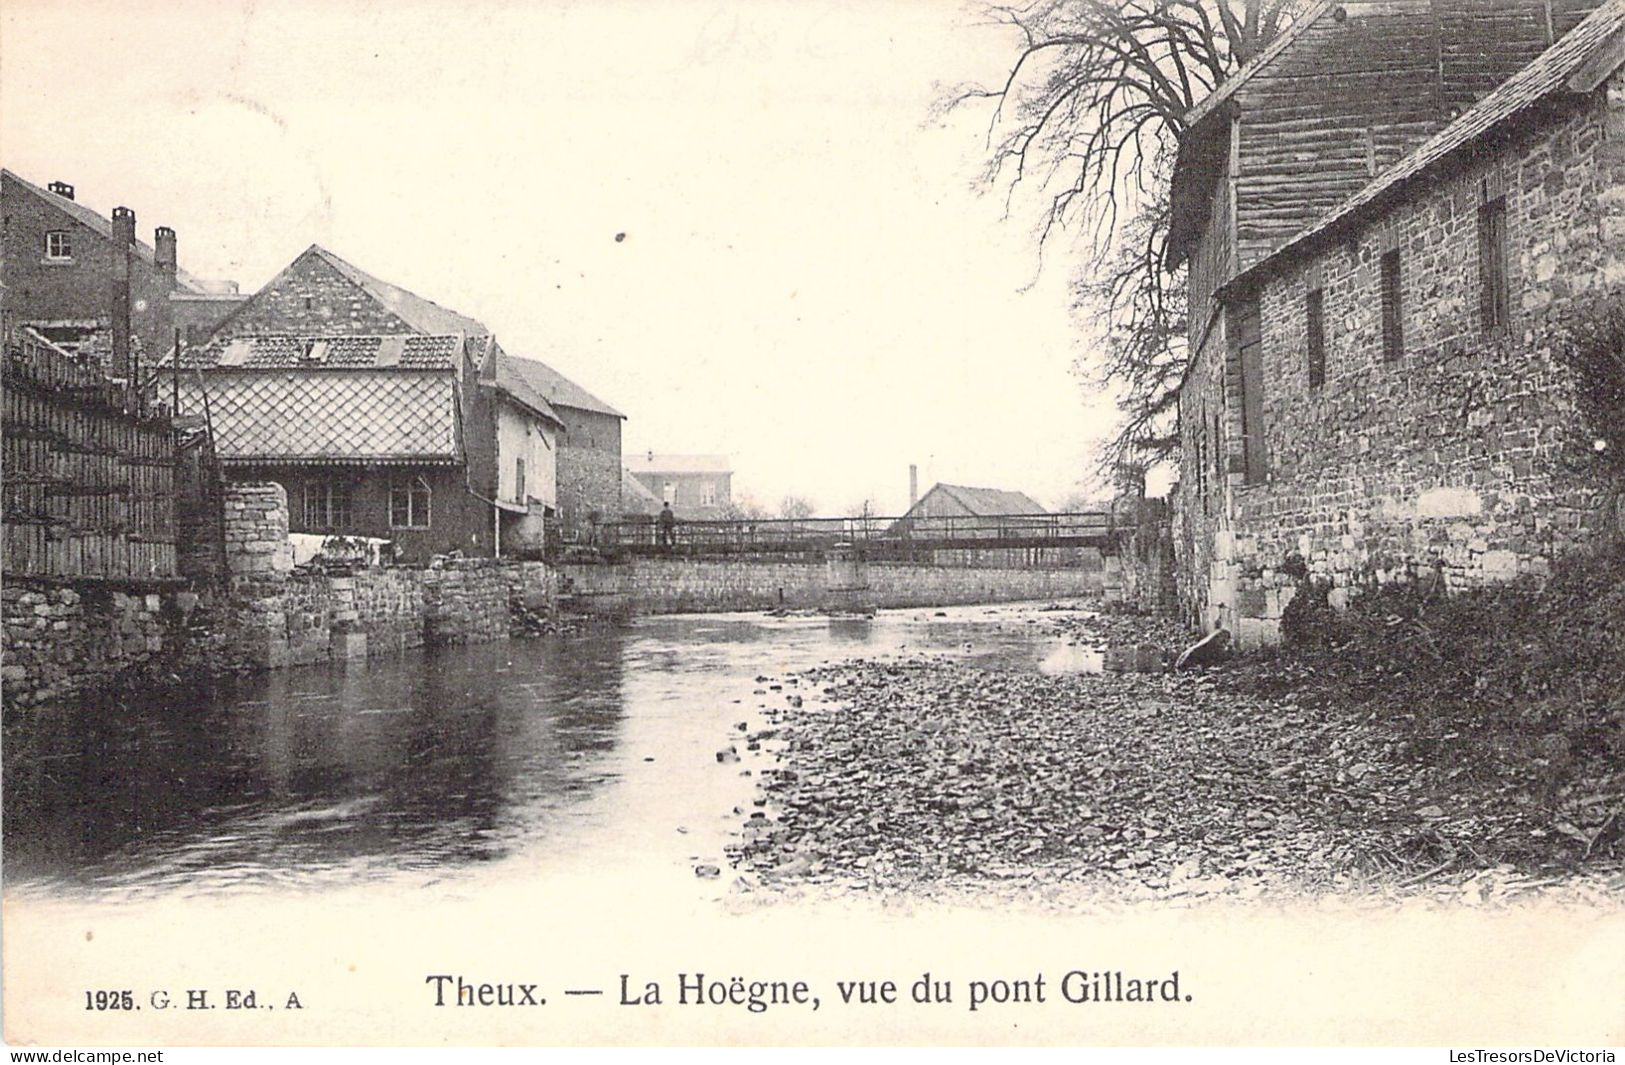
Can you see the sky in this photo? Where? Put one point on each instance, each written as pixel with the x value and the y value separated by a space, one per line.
pixel 812 280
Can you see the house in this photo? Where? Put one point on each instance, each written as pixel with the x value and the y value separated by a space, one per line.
pixel 963 512
pixel 589 449
pixel 1380 266
pixel 380 412
pixel 86 284
pixel 698 487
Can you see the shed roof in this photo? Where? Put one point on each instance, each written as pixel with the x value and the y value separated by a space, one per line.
pixel 336 417
pixel 513 384
pixel 1600 37
pixel 984 501
pixel 557 388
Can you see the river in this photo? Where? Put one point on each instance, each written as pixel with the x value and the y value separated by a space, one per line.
pixel 443 768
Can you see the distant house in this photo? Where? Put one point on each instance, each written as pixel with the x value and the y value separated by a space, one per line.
pixel 698 487
pixel 61 266
pixel 382 414
pixel 957 500
pixel 941 512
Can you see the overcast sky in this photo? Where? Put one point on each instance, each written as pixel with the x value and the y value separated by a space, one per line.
pixel 809 281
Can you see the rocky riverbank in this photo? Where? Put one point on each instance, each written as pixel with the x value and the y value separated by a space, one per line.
pixel 933 776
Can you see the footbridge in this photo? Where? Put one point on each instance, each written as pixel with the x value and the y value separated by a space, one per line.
pixel 879 539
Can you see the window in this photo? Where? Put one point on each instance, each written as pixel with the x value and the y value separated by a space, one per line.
pixel 1315 309
pixel 1493 300
pixel 327 505
pixel 1248 348
pixel 1393 309
pixel 519 480
pixel 409 504
pixel 708 494
pixel 58 244
pixel 668 492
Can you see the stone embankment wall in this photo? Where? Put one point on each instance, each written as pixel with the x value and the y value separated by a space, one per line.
pixel 61 641
pixel 676 586
pixel 283 616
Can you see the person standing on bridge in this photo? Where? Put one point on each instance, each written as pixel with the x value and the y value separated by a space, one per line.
pixel 668 526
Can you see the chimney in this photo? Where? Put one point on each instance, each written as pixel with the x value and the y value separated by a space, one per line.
pixel 163 251
pixel 123 244
pixel 62 189
pixel 913 485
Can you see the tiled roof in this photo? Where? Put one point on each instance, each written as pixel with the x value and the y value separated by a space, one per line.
pixel 650 462
pixel 1545 75
pixel 104 226
pixel 986 501
pixel 513 384
pixel 559 390
pixel 328 417
pixel 425 316
pixel 332 353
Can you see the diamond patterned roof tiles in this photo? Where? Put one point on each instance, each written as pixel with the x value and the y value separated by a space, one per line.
pixel 334 416
pixel 277 352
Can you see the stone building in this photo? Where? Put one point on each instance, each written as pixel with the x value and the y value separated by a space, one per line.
pixel 1380 267
pixel 589 452
pixel 63 268
pixel 698 487
pixel 381 413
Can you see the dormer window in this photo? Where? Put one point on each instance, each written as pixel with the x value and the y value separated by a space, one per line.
pixel 314 352
pixel 58 246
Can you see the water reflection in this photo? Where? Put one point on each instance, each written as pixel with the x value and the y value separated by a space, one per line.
pixel 439 762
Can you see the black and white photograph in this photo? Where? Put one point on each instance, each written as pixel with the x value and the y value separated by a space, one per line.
pixel 813 523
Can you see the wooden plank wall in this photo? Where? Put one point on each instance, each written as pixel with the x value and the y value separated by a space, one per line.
pixel 88 480
pixel 1351 96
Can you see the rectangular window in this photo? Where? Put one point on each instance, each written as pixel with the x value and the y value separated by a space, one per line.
pixel 668 492
pixel 1493 300
pixel 519 480
pixel 1393 309
pixel 327 506
pixel 708 494
pixel 58 244
pixel 409 504
pixel 1248 346
pixel 1315 308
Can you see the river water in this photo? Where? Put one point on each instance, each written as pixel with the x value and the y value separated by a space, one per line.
pixel 445 768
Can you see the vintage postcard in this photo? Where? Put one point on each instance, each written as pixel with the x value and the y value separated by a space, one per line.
pixel 756 522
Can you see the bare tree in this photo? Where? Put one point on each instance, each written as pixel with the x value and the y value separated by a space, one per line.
pixel 1090 112
pixel 795 507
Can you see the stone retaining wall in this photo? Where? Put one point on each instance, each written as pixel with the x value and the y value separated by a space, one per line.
pixel 677 586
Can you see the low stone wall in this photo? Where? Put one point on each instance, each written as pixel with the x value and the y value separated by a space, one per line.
pixel 57 642
pixel 64 641
pixel 679 586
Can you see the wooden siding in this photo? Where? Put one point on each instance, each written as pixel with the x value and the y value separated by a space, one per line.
pixel 89 481
pixel 1346 101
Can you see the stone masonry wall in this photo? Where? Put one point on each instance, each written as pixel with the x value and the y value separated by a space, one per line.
pixel 674 586
pixel 1450 459
pixel 60 641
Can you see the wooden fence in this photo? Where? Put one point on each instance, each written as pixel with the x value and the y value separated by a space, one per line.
pixel 88 475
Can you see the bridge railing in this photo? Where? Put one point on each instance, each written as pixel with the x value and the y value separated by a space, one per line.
pixel 879 537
